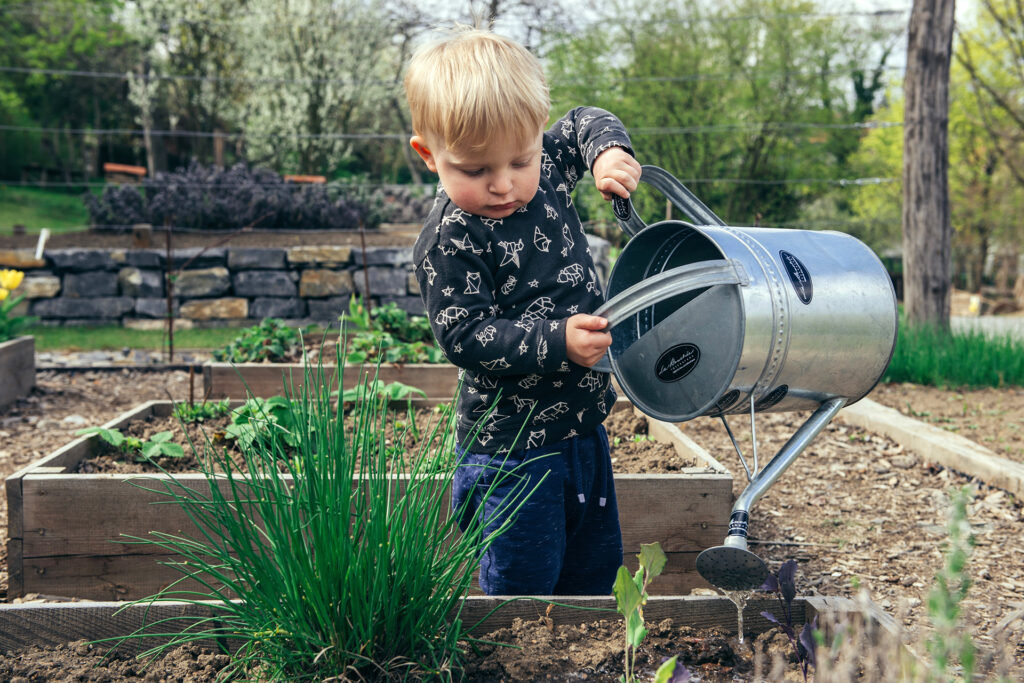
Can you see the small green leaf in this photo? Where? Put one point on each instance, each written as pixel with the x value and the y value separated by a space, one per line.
pixel 627 597
pixel 171 450
pixel 635 630
pixel 638 581
pixel 160 437
pixel 652 557
pixel 665 671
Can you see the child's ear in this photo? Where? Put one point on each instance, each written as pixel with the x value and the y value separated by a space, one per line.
pixel 419 144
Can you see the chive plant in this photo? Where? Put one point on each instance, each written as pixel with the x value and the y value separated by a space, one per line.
pixel 348 566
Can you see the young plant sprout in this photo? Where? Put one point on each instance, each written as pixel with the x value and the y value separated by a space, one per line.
pixel 158 445
pixel 630 597
pixel 783 585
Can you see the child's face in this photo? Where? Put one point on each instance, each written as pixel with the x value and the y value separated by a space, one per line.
pixel 492 183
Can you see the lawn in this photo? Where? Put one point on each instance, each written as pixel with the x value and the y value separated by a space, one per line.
pixel 37 209
pixel 113 337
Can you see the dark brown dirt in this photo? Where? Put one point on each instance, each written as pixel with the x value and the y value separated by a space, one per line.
pixel 634 450
pixel 857 511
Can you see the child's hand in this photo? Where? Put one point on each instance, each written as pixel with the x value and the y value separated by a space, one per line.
pixel 585 339
pixel 616 172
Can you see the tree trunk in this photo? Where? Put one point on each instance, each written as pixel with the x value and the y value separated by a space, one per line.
pixel 927 231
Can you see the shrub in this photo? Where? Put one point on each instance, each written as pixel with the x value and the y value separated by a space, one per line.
pixel 213 198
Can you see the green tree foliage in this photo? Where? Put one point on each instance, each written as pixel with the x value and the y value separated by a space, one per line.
pixel 982 188
pixel 323 68
pixel 745 91
pixel 189 75
pixel 992 51
pixel 68 35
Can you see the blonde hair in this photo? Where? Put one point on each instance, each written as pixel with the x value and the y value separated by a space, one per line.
pixel 473 85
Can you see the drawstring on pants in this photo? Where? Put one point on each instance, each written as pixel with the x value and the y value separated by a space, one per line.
pixel 577 474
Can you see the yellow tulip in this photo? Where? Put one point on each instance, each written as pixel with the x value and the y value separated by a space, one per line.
pixel 3 293
pixel 10 279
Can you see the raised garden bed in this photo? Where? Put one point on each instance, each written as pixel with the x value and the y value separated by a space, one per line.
pixel 563 643
pixel 17 368
pixel 237 381
pixel 64 526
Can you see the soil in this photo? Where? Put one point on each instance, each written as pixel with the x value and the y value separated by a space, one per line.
pixel 181 240
pixel 856 510
pixel 634 450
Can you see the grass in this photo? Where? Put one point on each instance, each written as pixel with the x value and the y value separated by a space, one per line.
pixel 112 337
pixel 37 209
pixel 968 359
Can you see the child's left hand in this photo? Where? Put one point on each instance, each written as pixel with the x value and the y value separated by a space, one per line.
pixel 616 172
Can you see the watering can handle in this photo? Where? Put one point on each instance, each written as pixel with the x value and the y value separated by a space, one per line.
pixel 674 191
pixel 671 282
pixel 674 281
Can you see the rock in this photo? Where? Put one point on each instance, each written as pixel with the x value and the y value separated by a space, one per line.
pixel 904 462
pixel 242 258
pixel 383 281
pixel 272 307
pixel 323 255
pixel 230 308
pixel 386 256
pixel 135 282
pixel 40 287
pixel 78 260
pixel 86 308
pixel 204 282
pixel 75 421
pixel 321 282
pixel 91 284
pixel 264 283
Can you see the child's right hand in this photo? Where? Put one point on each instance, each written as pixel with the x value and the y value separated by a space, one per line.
pixel 616 172
pixel 585 339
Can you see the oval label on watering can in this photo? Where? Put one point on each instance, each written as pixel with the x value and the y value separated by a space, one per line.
pixel 676 363
pixel 799 276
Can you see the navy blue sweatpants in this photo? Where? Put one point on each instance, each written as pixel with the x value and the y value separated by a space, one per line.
pixel 565 538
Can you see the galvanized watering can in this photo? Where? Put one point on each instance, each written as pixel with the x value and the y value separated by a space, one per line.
pixel 710 319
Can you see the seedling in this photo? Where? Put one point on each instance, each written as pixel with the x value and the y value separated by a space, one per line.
pixel 263 419
pixel 392 391
pixel 390 334
pixel 159 445
pixel 783 585
pixel 200 412
pixel 271 340
pixel 630 597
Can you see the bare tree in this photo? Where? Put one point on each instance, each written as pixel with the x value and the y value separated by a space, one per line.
pixel 927 230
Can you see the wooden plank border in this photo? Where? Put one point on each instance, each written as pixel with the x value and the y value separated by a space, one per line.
pixel 227 380
pixel 48 624
pixel 17 368
pixel 932 443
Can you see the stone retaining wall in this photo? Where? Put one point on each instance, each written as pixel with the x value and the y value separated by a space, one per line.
pixel 219 286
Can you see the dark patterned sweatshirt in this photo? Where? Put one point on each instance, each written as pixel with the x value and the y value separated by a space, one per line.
pixel 499 291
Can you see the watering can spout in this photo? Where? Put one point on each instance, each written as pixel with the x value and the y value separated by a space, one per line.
pixel 731 566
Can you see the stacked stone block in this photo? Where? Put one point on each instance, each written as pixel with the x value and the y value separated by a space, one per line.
pixel 217 286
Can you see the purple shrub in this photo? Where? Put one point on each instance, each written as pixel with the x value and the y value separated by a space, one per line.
pixel 211 198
